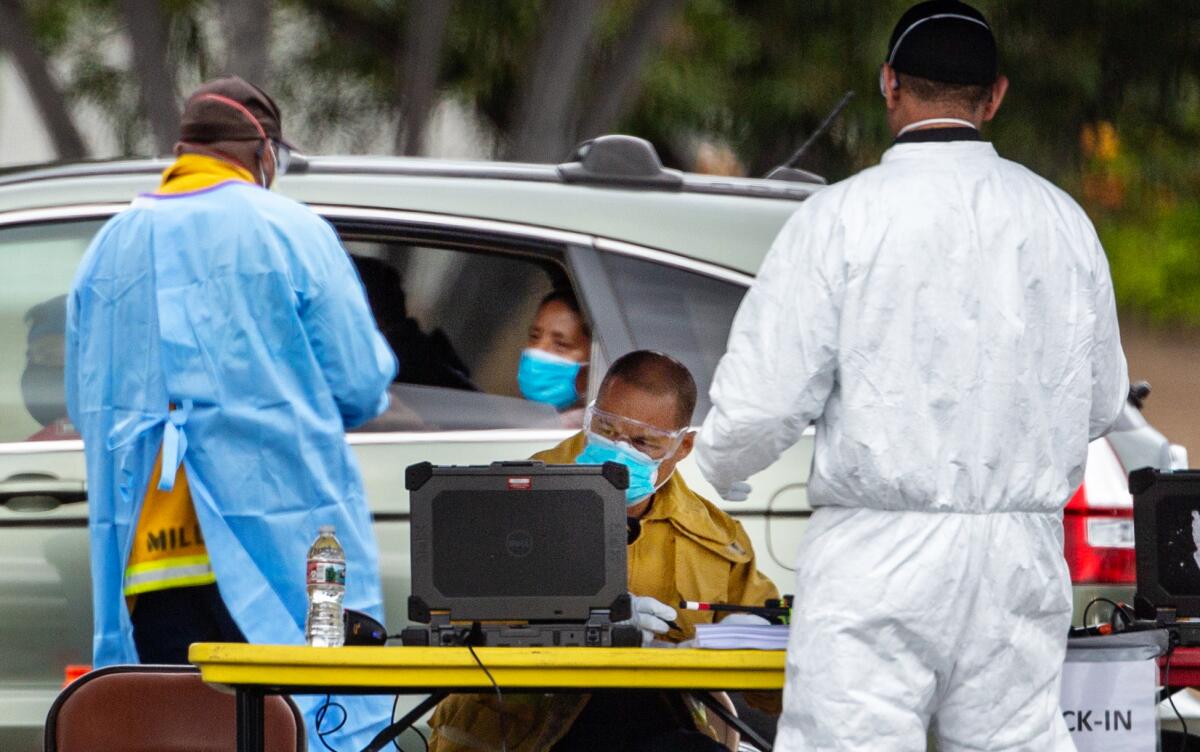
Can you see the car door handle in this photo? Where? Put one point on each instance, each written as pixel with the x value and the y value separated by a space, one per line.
pixel 37 492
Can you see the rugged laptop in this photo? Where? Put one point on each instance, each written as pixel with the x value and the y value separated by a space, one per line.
pixel 1166 520
pixel 518 553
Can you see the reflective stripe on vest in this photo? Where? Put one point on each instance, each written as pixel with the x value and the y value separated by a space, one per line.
pixel 181 571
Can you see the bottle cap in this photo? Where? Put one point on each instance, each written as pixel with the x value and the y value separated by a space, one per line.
pixel 325 530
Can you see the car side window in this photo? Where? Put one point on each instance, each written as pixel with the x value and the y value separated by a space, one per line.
pixel 457 320
pixel 683 313
pixel 39 263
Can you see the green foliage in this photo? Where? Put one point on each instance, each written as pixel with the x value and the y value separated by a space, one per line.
pixel 761 74
pixel 1154 262
pixel 757 75
pixel 488 46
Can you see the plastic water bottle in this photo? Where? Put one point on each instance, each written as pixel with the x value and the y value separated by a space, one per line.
pixel 324 627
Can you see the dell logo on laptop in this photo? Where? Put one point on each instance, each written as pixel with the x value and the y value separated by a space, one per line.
pixel 519 543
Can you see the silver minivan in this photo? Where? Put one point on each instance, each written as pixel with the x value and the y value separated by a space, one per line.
pixel 658 259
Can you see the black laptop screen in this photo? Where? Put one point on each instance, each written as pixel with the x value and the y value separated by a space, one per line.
pixel 505 544
pixel 1178 544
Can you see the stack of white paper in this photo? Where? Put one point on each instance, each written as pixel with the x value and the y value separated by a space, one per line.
pixel 741 636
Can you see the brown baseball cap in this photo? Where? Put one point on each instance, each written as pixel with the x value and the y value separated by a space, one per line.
pixel 217 111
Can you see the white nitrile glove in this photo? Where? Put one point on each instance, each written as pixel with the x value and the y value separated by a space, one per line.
pixel 739 490
pixel 742 618
pixel 650 616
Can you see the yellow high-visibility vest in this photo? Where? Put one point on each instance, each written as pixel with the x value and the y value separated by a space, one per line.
pixel 168 546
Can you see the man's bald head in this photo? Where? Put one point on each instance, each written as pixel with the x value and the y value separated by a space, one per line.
pixel 657 374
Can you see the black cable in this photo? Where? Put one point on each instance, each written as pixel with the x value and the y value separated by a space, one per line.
pixel 1094 601
pixel 770 546
pixel 395 702
pixel 1171 699
pixel 395 739
pixel 464 640
pixel 499 696
pixel 320 718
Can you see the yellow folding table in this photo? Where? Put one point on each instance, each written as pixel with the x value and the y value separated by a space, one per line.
pixel 255 671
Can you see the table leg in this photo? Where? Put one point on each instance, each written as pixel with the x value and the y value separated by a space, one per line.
pixel 747 733
pixel 250 720
pixel 393 730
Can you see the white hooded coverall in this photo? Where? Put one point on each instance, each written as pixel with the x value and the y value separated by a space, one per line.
pixel 947 320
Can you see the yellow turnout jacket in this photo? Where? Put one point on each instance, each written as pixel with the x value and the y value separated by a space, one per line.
pixel 688 549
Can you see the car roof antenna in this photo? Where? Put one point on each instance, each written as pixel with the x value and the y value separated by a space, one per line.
pixel 788 170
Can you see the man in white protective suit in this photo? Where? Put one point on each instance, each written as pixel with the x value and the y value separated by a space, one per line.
pixel 946 319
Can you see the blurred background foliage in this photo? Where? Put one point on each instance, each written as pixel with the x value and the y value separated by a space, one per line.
pixel 1105 96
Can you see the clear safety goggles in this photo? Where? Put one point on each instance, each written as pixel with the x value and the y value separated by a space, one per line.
pixel 283 156
pixel 654 442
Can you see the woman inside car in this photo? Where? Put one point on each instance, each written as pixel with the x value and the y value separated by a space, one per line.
pixel 554 364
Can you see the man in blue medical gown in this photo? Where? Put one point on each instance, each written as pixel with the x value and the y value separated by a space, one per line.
pixel 218 347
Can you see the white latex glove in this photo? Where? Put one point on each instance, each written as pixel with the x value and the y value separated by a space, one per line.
pixel 739 490
pixel 650 616
pixel 740 618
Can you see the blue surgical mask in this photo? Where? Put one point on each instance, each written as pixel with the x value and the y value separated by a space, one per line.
pixel 643 471
pixel 549 378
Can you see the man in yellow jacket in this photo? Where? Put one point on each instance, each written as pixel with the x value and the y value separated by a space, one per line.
pixel 682 547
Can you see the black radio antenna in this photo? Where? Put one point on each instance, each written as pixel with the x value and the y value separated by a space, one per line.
pixel 782 171
pixel 820 131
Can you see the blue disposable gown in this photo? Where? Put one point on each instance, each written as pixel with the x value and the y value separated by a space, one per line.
pixel 240 307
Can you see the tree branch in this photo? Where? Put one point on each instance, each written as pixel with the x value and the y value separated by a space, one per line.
pixel 542 130
pixel 16 37
pixel 248 44
pixel 147 28
pixel 354 26
pixel 616 84
pixel 419 61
